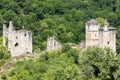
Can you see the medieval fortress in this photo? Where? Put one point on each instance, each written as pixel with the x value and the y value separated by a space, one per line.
pixel 19 42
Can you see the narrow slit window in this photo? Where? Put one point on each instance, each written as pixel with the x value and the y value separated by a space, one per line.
pixel 16 37
pixel 25 34
pixel 95 35
pixel 108 42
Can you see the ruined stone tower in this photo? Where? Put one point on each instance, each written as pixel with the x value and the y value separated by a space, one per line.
pixel 100 36
pixel 52 44
pixel 18 42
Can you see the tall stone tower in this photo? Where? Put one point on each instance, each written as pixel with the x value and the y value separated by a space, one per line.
pixel 107 36
pixel 18 42
pixel 92 33
pixel 100 36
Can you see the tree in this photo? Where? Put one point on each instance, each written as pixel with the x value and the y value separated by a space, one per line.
pixel 101 21
pixel 10 15
pixel 98 63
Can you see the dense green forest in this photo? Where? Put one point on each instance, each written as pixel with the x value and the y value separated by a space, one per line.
pixel 65 20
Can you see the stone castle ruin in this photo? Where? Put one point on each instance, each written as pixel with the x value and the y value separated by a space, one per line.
pixel 52 44
pixel 96 35
pixel 100 36
pixel 18 42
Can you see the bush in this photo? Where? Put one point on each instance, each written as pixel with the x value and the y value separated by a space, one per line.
pixel 1 55
pixel 12 73
pixel 65 47
pixel 7 56
pixel 4 77
pixel 2 62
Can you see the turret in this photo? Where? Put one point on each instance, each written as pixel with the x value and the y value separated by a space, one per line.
pixel 106 24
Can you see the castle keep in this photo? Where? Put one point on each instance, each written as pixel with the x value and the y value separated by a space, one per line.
pixel 17 41
pixel 102 36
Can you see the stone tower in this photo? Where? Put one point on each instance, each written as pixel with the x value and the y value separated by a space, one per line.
pixel 18 42
pixel 92 33
pixel 100 36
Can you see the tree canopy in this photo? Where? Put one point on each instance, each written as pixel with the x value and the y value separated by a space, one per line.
pixel 92 63
pixel 63 19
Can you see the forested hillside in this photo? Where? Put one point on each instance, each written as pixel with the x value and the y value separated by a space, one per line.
pixel 64 19
pixel 91 64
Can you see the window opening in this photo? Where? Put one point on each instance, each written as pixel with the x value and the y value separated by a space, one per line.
pixel 108 42
pixel 95 35
pixel 16 44
pixel 16 37
pixel 25 34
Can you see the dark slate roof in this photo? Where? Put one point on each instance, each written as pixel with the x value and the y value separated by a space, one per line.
pixel 92 21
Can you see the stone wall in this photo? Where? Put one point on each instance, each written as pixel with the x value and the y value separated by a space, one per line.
pixel 17 41
pixel 100 36
pixel 52 44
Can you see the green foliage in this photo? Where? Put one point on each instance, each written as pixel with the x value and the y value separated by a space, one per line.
pixel 92 63
pixel 97 63
pixel 118 41
pixel 1 55
pixel 7 55
pixel 101 20
pixel 66 47
pixel 4 77
pixel 51 66
pixel 4 54
pixel 62 19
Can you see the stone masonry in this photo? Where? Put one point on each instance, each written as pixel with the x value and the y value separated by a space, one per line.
pixel 52 44
pixel 18 42
pixel 100 36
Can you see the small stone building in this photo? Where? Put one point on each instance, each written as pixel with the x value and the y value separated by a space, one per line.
pixel 102 36
pixel 52 44
pixel 18 42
